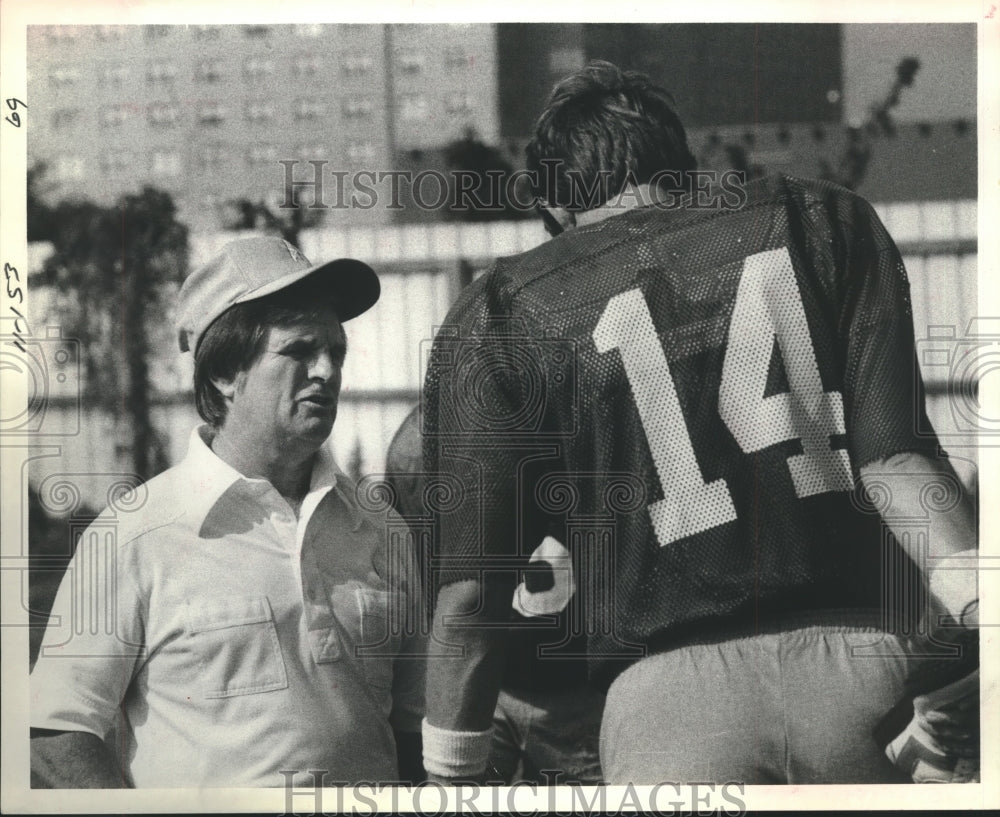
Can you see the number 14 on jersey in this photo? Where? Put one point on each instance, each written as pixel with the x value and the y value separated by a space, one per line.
pixel 768 306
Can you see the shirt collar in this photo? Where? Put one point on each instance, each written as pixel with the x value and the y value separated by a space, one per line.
pixel 325 470
pixel 211 476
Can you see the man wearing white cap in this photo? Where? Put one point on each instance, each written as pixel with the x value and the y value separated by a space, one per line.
pixel 245 623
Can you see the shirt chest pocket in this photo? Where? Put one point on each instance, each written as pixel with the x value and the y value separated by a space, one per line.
pixel 236 644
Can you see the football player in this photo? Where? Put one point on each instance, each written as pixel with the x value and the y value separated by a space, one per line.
pixel 691 382
pixel 547 720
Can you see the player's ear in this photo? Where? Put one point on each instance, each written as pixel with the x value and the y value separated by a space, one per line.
pixel 556 219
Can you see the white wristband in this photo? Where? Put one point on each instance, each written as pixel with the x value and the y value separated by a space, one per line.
pixel 953 582
pixel 455 754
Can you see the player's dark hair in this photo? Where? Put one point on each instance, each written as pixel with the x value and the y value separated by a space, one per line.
pixel 236 339
pixel 601 129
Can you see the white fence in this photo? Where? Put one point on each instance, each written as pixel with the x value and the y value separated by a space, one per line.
pixel 421 268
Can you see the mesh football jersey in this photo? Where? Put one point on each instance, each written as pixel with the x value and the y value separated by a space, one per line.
pixel 682 399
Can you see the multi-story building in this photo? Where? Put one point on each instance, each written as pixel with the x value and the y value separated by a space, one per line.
pixel 210 112
pixel 444 82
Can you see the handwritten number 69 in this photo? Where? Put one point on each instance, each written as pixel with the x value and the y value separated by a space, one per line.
pixel 15 117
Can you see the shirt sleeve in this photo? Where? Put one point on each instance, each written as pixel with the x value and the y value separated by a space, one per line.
pixel 474 412
pixel 884 390
pixel 92 642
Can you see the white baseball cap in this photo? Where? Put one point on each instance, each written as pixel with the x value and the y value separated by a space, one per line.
pixel 250 268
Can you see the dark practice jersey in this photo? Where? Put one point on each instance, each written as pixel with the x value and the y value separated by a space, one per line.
pixel 681 399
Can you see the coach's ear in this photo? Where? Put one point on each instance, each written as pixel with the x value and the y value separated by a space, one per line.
pixel 227 388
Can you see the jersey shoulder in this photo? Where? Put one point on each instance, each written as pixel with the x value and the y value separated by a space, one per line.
pixel 818 220
pixel 819 202
pixel 480 304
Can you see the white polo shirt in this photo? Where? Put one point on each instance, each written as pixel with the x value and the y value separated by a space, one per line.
pixel 213 639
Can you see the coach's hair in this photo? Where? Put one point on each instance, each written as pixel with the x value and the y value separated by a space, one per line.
pixel 235 340
pixel 601 129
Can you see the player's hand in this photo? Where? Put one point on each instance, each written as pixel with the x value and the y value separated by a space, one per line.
pixel 952 721
pixel 941 742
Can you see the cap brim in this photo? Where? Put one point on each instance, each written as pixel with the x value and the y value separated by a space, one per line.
pixel 353 286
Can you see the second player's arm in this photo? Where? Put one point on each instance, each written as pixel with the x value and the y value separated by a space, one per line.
pixel 479 470
pixel 465 667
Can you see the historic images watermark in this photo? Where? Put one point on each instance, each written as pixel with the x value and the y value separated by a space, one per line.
pixel 496 191
pixel 313 792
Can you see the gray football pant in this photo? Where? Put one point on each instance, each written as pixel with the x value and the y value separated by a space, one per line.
pixel 788 707
pixel 536 732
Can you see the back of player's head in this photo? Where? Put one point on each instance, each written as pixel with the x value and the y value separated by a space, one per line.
pixel 601 129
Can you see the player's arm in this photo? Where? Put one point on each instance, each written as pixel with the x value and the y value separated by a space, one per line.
pixel 885 404
pixel 72 760
pixel 463 679
pixel 905 480
pixel 479 470
pixel 950 716
pixel 884 395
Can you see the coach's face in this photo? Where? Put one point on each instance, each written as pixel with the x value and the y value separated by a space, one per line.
pixel 289 395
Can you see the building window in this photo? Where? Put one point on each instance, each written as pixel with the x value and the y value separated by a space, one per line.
pixel 360 152
pixel 155 32
pixel 256 32
pixel 161 71
pixel 115 115
pixel 206 32
pixel 163 113
pixel 69 168
pixel 259 111
pixel 357 65
pixel 211 156
pixel 456 59
pixel 166 163
pixel 309 30
pixel 256 67
pixel 307 65
pixel 115 162
pixel 358 107
pixel 458 102
pixel 307 108
pixel 64 75
pixel 410 63
pixel 413 107
pixel 65 117
pixel 113 73
pixel 262 155
pixel 211 113
pixel 307 153
pixel 208 70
